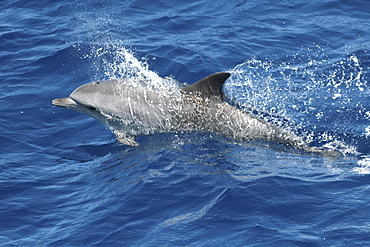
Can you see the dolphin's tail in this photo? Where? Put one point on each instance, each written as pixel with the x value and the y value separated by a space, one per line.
pixel 282 136
pixel 328 153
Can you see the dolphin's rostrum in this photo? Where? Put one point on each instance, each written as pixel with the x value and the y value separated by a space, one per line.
pixel 137 110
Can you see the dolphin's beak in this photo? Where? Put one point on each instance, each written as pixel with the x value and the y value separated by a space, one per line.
pixel 64 102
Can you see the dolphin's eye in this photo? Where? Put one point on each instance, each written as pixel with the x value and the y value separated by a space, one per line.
pixel 97 82
pixel 90 107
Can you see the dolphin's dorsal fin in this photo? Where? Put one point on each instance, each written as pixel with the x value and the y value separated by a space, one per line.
pixel 209 86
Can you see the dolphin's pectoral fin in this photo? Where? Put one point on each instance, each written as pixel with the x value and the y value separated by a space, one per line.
pixel 209 86
pixel 125 139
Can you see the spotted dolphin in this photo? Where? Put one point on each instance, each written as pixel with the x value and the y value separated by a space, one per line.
pixel 131 111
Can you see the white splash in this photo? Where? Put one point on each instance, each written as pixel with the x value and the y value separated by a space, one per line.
pixel 116 61
pixel 364 166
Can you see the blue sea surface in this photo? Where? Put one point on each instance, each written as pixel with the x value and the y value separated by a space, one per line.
pixel 66 181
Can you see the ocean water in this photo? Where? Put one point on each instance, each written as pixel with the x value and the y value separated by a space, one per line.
pixel 66 181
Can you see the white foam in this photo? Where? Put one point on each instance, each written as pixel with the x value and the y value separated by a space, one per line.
pixel 364 166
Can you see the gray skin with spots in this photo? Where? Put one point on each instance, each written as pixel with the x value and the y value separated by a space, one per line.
pixel 137 110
